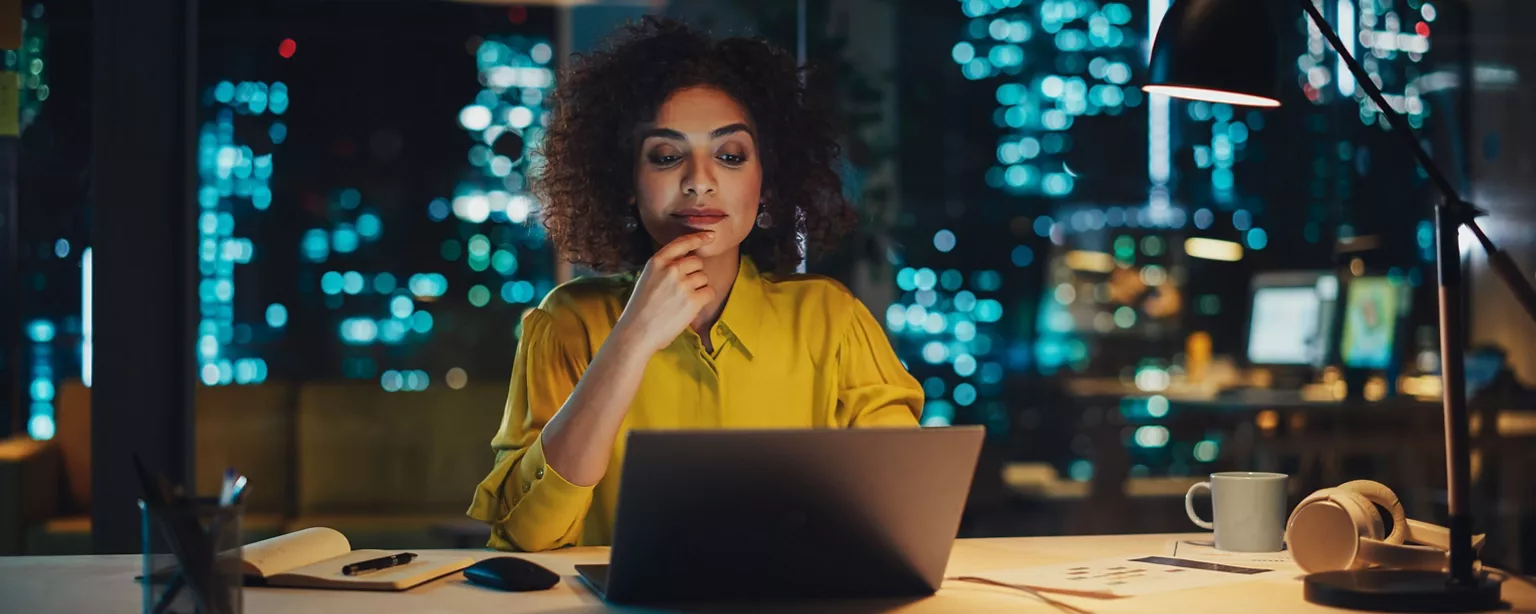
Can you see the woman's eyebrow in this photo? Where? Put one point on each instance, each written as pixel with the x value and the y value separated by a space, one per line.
pixel 668 133
pixel 731 129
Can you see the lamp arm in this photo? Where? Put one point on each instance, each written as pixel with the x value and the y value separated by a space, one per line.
pixel 1451 214
pixel 1394 118
pixel 1498 260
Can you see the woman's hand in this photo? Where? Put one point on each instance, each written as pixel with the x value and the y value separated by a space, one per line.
pixel 669 294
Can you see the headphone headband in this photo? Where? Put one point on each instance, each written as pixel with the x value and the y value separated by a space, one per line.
pixel 1379 494
pixel 1402 556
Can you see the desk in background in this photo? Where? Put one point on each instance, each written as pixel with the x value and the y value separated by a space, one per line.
pixel 1396 440
pixel 69 584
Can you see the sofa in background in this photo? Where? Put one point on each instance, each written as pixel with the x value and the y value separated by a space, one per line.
pixel 386 469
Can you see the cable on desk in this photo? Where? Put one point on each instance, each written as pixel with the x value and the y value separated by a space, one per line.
pixel 1511 576
pixel 1065 607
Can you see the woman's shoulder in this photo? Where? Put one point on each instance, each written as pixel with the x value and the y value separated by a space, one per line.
pixel 803 287
pixel 587 302
pixel 818 296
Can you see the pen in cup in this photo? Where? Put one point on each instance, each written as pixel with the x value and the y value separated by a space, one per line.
pixel 383 562
pixel 237 494
pixel 227 487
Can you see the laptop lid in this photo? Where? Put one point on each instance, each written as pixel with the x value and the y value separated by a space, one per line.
pixel 788 514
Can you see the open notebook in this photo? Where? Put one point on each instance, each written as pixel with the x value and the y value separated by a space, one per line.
pixel 313 558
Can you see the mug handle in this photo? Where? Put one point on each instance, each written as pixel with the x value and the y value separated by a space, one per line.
pixel 1189 506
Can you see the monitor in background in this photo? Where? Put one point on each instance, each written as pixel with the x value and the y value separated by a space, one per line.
pixel 1291 318
pixel 1279 314
pixel 1370 322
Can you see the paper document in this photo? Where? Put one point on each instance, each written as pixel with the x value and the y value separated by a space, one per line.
pixel 1204 550
pixel 1125 577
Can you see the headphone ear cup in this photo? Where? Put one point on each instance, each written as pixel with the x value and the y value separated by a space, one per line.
pixel 1326 530
pixel 1378 494
pixel 1320 495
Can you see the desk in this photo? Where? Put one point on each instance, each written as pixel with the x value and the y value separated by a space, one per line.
pixel 1397 441
pixel 48 585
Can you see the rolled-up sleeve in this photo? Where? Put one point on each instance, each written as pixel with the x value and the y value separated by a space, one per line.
pixel 875 389
pixel 529 506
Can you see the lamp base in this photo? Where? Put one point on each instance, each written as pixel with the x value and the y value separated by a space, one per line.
pixel 1399 590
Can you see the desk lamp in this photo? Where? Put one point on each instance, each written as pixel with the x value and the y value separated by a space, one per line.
pixel 1227 51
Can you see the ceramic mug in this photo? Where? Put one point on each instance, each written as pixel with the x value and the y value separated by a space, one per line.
pixel 1248 508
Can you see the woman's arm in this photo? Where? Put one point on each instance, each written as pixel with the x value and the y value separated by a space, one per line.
pixel 564 410
pixel 671 290
pixel 578 442
pixel 529 505
pixel 875 389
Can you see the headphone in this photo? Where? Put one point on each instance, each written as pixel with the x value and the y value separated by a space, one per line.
pixel 1341 528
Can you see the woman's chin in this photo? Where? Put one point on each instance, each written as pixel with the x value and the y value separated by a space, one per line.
pixel 717 248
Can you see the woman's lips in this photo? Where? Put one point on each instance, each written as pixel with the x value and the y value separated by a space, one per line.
pixel 700 217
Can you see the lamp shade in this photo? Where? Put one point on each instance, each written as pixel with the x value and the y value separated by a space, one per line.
pixel 1217 51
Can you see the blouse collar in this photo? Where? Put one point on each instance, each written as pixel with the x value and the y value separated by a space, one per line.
pixel 743 313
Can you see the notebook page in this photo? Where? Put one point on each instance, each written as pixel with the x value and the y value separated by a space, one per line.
pixel 327 574
pixel 294 550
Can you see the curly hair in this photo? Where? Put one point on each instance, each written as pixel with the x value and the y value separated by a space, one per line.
pixel 587 173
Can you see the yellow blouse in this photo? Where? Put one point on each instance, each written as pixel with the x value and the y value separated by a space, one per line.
pixel 794 352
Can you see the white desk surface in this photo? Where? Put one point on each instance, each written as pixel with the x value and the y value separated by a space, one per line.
pixel 45 585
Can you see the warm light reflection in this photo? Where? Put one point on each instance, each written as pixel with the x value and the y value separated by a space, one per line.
pixel 1516 423
pixel 1213 249
pixel 1375 388
pixel 1084 260
pixel 1267 420
pixel 1196 93
pixel 1425 387
pixel 1297 422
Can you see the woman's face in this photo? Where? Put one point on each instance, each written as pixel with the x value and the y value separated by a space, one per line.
pixel 698 170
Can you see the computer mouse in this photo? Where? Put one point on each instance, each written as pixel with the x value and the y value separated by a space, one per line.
pixel 510 573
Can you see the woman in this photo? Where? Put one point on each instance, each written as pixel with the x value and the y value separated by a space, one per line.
pixel 698 164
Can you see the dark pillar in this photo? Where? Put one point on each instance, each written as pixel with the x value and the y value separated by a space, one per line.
pixel 13 412
pixel 143 172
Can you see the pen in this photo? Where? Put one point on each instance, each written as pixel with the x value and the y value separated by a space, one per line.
pixel 383 562
pixel 227 486
pixel 237 494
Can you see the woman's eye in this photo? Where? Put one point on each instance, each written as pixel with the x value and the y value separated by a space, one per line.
pixel 665 159
pixel 732 159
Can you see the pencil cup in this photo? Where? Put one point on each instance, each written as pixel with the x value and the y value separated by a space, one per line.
pixel 191 558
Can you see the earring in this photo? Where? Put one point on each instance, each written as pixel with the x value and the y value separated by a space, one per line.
pixel 630 224
pixel 764 220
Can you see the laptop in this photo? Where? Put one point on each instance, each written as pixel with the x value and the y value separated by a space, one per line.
pixel 732 515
